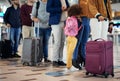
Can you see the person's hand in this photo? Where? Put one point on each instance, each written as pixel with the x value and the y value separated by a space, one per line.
pixel 36 20
pixel 8 25
pixel 64 8
pixel 101 18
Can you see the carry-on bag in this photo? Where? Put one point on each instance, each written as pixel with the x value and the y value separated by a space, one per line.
pixel 99 57
pixel 32 53
pixel 5 43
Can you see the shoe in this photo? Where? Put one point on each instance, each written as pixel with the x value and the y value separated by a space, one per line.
pixel 16 55
pixel 67 71
pixel 61 63
pixel 55 63
pixel 47 60
pixel 76 65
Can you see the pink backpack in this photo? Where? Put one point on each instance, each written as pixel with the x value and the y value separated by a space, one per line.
pixel 71 27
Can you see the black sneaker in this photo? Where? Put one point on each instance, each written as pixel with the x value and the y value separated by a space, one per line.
pixel 47 60
pixel 76 65
pixel 16 55
pixel 55 63
pixel 61 63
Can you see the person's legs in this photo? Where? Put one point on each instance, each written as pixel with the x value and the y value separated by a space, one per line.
pixel 62 42
pixel 57 46
pixel 25 31
pixel 79 37
pixel 17 36
pixel 71 44
pixel 32 32
pixel 85 36
pixel 46 36
pixel 12 33
pixel 37 32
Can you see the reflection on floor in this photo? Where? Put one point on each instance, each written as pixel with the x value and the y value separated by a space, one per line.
pixel 12 70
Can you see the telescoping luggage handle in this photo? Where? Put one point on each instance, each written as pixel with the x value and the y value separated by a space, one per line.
pixel 38 32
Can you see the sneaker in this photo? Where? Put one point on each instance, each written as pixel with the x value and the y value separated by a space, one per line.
pixel 16 55
pixel 55 63
pixel 61 63
pixel 67 71
pixel 76 65
pixel 47 60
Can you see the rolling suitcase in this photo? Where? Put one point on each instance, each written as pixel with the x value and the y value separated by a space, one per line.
pixel 32 51
pixel 6 49
pixel 99 58
pixel 5 43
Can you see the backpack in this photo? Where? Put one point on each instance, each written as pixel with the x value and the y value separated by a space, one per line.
pixel 71 27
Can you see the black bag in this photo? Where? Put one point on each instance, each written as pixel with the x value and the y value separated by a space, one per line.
pixel 5 49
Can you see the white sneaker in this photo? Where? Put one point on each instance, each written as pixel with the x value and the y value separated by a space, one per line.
pixel 73 69
pixel 66 71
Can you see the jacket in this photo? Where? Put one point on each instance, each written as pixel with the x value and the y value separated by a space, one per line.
pixel 98 6
pixel 54 8
pixel 84 8
pixel 12 16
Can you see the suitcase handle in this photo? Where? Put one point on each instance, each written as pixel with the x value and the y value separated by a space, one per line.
pixel 99 39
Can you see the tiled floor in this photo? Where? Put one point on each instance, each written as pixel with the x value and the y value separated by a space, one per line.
pixel 12 70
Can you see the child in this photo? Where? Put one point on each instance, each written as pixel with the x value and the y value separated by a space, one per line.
pixel 72 27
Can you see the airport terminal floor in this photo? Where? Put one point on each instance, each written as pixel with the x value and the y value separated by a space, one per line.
pixel 11 69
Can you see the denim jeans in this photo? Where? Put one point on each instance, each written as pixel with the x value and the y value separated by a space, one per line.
pixel 14 37
pixel 82 38
pixel 44 34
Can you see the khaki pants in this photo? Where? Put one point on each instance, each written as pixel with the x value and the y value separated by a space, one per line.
pixel 27 31
pixel 71 44
pixel 59 39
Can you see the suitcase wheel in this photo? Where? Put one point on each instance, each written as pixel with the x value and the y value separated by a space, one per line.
pixel 25 64
pixel 94 75
pixel 87 73
pixel 112 75
pixel 37 64
pixel 106 75
pixel 41 59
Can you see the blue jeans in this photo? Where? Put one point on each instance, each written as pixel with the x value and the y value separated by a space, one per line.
pixel 14 37
pixel 44 34
pixel 82 38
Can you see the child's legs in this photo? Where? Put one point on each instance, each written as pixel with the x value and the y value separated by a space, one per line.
pixel 71 44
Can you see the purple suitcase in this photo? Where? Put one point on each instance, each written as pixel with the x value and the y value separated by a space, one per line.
pixel 99 58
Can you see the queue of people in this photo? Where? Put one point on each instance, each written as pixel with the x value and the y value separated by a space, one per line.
pixel 52 15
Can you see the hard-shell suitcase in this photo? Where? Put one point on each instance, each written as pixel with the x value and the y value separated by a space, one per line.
pixel 99 57
pixel 32 51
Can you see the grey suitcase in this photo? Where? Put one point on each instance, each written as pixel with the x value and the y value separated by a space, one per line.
pixel 32 51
